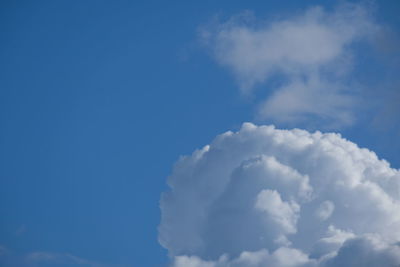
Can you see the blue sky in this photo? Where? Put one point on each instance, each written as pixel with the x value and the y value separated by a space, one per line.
pixel 98 99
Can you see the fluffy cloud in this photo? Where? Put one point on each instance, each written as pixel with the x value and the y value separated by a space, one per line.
pixel 268 197
pixel 308 56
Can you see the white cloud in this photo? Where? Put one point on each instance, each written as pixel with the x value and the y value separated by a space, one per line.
pixel 310 52
pixel 283 214
pixel 268 197
pixel 325 210
pixel 283 257
pixel 44 258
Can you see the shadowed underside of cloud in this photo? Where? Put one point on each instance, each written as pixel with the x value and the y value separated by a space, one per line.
pixel 268 197
pixel 312 53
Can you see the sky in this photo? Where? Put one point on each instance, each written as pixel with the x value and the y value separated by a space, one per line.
pixel 99 100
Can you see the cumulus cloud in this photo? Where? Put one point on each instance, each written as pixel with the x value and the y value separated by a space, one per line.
pixel 268 197
pixel 308 55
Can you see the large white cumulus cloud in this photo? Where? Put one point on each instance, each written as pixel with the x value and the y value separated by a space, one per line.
pixel 268 197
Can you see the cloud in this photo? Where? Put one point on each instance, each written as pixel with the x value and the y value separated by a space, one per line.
pixel 368 251
pixel 306 58
pixel 268 197
pixel 325 210
pixel 3 251
pixel 44 258
pixel 59 259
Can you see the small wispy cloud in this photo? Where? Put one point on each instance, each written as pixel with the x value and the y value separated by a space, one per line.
pixel 49 258
pixel 3 250
pixel 310 57
pixel 21 230
pixel 12 258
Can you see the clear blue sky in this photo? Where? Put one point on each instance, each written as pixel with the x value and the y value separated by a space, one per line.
pixel 98 99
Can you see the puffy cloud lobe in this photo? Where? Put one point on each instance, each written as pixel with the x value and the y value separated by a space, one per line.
pixel 311 52
pixel 283 214
pixel 325 210
pixel 268 197
pixel 285 257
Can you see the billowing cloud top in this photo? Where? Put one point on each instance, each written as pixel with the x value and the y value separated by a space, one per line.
pixel 309 56
pixel 268 197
